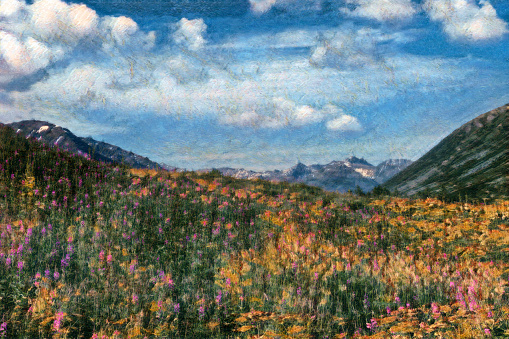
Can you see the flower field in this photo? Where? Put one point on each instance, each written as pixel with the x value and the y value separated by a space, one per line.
pixel 94 250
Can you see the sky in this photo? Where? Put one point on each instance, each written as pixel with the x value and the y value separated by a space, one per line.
pixel 255 84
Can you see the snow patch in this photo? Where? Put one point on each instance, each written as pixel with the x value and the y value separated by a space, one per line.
pixel 367 173
pixel 43 129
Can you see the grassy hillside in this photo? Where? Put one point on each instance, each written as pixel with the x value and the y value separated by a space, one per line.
pixel 91 250
pixel 472 162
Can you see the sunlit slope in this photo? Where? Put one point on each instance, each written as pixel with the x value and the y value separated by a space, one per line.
pixel 472 161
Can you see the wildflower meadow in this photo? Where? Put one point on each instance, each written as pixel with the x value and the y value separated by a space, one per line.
pixel 97 250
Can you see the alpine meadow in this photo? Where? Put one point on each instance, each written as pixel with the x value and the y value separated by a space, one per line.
pixel 254 169
pixel 99 250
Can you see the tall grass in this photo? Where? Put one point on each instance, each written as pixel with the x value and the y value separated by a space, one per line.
pixel 93 250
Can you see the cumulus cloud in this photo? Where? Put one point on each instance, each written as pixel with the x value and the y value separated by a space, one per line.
pixel 336 55
pixel 348 49
pixel 10 8
pixel 190 33
pixel 381 10
pixel 121 28
pixel 276 113
pixel 123 33
pixel 276 94
pixel 56 20
pixel 21 57
pixel 34 37
pixel 337 120
pixel 283 112
pixel 345 123
pixel 261 6
pixel 288 112
pixel 464 19
pixel 128 80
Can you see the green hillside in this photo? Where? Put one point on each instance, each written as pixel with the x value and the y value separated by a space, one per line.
pixel 471 162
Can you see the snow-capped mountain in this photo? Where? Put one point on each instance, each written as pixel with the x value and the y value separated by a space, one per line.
pixel 335 176
pixel 57 136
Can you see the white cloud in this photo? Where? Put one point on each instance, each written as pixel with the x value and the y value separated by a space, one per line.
pixel 84 80
pixel 339 121
pixel 283 112
pixel 56 20
pixel 295 6
pixel 190 33
pixel 286 39
pixel 119 33
pixel 282 93
pixel 270 93
pixel 348 49
pixel 13 52
pixel 34 37
pixel 40 54
pixel 464 19
pixel 10 8
pixel 275 113
pixel 21 57
pixel 261 6
pixel 381 10
pixel 345 123
pixel 336 54
pixel 82 20
pixel 286 111
pixel 244 119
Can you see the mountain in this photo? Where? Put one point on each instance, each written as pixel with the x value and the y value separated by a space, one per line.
pixel 389 168
pixel 356 161
pixel 298 171
pixel 57 136
pixel 339 176
pixel 473 161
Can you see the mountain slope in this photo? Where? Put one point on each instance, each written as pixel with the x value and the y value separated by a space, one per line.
pixel 389 168
pixel 53 135
pixel 472 160
pixel 339 176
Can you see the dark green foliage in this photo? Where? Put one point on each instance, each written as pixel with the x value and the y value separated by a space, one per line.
pixel 380 191
pixel 358 191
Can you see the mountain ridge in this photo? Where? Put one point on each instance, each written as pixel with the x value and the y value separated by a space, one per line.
pixel 473 160
pixel 58 136
pixel 338 175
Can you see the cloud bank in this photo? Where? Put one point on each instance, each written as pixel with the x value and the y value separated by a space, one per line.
pixel 464 19
pixel 470 20
pixel 89 63
pixel 35 37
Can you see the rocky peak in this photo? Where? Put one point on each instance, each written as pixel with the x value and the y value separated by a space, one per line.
pixel 353 160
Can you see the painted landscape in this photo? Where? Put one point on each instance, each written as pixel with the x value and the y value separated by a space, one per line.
pixel 92 249
pixel 254 169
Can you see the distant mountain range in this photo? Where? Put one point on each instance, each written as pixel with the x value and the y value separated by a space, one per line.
pixel 336 176
pixel 339 176
pixel 57 136
pixel 473 161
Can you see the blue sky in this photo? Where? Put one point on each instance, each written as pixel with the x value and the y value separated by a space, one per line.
pixel 259 84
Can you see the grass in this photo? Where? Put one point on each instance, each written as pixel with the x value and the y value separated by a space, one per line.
pixel 93 250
